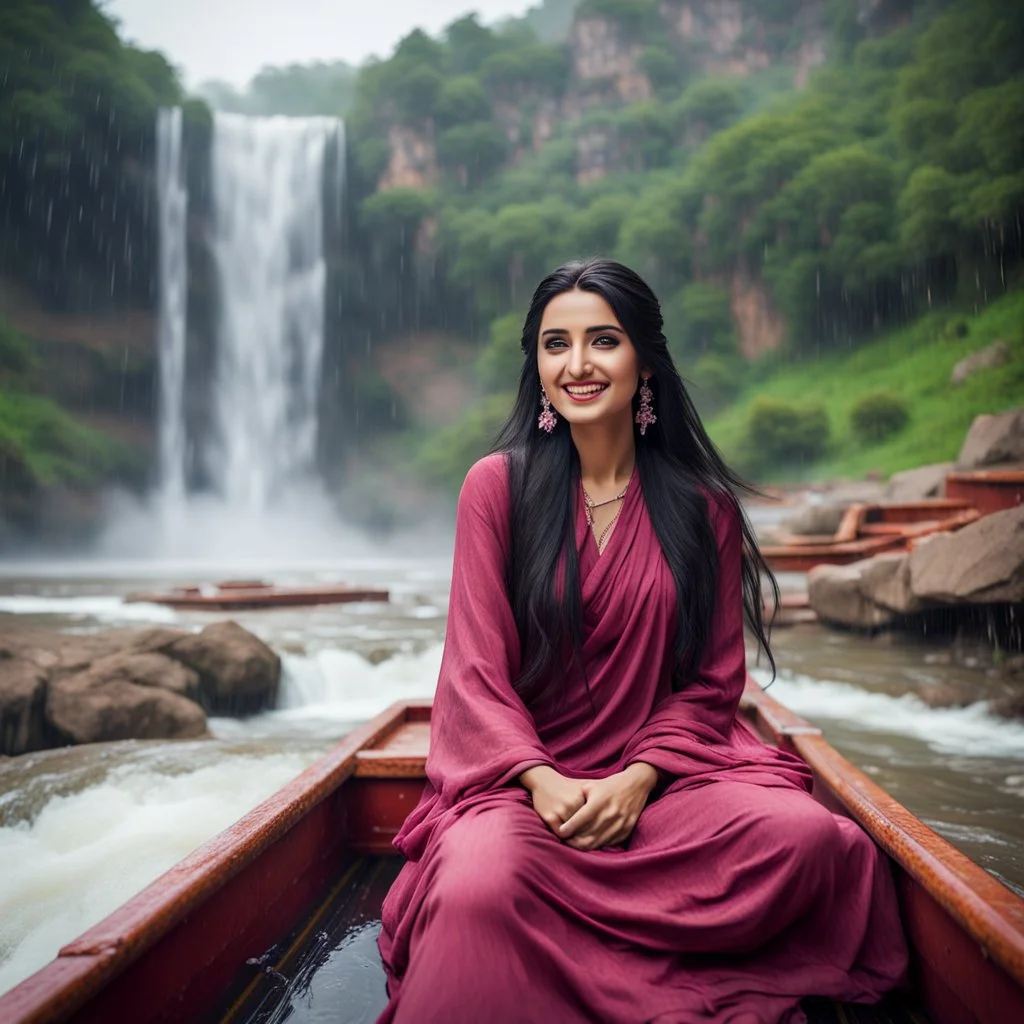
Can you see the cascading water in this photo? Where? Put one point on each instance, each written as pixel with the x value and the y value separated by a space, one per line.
pixel 172 201
pixel 268 187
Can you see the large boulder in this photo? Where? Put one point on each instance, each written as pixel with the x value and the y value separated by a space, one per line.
pixel 835 594
pixel 992 440
pixel 22 706
pixel 238 673
pixel 918 484
pixel 89 707
pixel 981 564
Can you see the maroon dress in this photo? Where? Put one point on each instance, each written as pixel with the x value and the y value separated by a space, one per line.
pixel 736 895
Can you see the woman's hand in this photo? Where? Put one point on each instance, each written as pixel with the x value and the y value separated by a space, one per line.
pixel 611 810
pixel 555 798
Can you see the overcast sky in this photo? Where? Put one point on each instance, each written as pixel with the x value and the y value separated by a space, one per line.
pixel 233 39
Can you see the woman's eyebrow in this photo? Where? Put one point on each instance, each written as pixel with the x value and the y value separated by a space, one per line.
pixel 589 330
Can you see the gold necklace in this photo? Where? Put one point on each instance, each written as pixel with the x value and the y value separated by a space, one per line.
pixel 589 505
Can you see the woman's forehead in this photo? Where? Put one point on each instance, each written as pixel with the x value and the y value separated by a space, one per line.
pixel 578 310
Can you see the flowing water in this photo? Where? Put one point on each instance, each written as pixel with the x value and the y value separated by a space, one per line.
pixel 172 197
pixel 82 829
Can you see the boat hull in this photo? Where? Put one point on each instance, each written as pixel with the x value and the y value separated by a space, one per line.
pixel 177 950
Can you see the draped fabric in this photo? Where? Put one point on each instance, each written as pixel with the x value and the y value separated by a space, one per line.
pixel 736 895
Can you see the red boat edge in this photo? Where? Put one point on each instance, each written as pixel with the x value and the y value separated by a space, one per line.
pixel 240 892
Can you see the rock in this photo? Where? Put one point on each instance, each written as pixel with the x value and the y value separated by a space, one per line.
pixel 981 564
pixel 996 354
pixel 238 673
pixel 148 669
pixel 1011 706
pixel 88 707
pixel 814 520
pixel 918 484
pixel 946 695
pixel 834 592
pixel 885 581
pixel 22 704
pixel 993 439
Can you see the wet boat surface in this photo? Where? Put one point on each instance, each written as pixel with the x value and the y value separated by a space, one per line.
pixel 328 971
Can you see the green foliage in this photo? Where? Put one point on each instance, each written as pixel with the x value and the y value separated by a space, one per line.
pixel 635 18
pixel 446 457
pixel 299 90
pixel 475 150
pixel 916 363
pixel 779 432
pixel 16 357
pixel 708 106
pixel 878 415
pixel 699 321
pixel 500 362
pixel 52 448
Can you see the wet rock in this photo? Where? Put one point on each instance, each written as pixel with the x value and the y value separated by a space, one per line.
pixel 1010 706
pixel 992 440
pixel 57 688
pixel 918 484
pixel 22 703
pixel 885 581
pixel 238 673
pixel 996 354
pixel 981 564
pixel 834 592
pixel 814 520
pixel 148 669
pixel 946 695
pixel 89 707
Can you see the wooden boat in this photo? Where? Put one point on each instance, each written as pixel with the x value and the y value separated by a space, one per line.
pixel 988 490
pixel 234 595
pixel 275 918
pixel 867 530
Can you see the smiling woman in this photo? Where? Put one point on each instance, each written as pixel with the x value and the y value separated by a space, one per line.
pixel 601 837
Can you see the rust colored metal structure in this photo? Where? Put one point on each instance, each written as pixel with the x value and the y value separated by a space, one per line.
pixel 988 490
pixel 236 595
pixel 175 951
pixel 869 530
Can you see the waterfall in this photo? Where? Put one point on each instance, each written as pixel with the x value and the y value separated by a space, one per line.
pixel 172 200
pixel 268 225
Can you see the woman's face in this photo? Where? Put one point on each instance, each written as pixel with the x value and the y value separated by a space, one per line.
pixel 588 366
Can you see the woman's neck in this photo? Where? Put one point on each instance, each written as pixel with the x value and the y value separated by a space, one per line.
pixel 607 454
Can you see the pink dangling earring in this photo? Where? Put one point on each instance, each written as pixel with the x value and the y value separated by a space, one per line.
pixel 547 419
pixel 645 414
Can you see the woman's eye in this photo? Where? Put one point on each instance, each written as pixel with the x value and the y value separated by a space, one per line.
pixel 606 340
pixel 553 343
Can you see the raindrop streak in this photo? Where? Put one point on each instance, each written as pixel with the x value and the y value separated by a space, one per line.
pixel 172 199
pixel 268 189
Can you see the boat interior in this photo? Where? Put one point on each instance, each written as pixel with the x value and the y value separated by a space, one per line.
pixel 329 970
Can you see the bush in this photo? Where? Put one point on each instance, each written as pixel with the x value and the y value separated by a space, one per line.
pixel 877 416
pixel 780 432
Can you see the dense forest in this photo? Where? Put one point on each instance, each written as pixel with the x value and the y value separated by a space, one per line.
pixel 792 176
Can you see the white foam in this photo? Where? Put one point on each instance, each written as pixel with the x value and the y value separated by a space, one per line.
pixel 332 689
pixel 87 853
pixel 108 609
pixel 971 731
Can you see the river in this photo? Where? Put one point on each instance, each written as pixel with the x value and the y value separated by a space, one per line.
pixel 82 829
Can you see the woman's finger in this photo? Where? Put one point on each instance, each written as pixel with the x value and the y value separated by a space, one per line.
pixel 580 821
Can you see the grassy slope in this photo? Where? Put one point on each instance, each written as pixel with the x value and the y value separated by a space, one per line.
pixel 915 363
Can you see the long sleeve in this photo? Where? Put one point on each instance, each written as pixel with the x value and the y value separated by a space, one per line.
pixel 482 735
pixel 691 732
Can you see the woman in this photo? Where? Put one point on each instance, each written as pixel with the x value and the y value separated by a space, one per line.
pixel 601 838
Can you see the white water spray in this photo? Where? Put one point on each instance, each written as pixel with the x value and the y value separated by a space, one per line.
pixel 268 188
pixel 172 200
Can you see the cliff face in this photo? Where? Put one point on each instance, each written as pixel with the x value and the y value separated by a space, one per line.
pixel 726 38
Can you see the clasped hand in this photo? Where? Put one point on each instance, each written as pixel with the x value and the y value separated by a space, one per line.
pixel 588 814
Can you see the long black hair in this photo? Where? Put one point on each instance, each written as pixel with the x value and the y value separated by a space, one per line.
pixel 678 466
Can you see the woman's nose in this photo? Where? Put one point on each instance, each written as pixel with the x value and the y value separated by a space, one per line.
pixel 578 366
